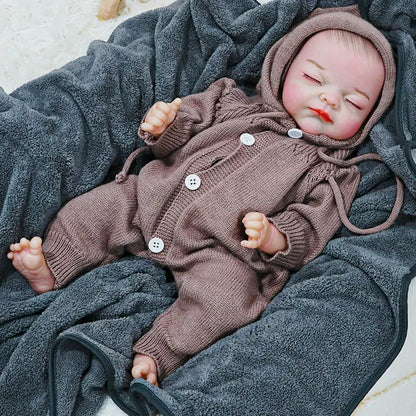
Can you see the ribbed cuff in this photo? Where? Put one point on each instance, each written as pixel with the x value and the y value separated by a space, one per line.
pixel 155 344
pixel 174 136
pixel 291 258
pixel 64 261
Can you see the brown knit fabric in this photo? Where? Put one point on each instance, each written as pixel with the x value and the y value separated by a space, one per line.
pixel 221 285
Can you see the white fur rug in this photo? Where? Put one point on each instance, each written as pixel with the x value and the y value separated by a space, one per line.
pixel 39 36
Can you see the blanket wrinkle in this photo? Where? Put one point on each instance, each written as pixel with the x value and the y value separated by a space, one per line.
pixel 71 130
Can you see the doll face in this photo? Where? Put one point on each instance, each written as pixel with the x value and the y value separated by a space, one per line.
pixel 330 88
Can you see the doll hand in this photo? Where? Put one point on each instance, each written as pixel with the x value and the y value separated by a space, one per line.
pixel 257 229
pixel 160 116
pixel 262 234
pixel 144 367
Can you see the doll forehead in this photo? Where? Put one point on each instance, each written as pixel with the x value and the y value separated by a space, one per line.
pixel 326 53
pixel 342 45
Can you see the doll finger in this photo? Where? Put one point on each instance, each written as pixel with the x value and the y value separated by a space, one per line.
pixel 147 127
pixel 162 106
pixel 252 233
pixel 249 243
pixel 140 370
pixel 256 225
pixel 155 121
pixel 159 114
pixel 176 102
pixel 253 216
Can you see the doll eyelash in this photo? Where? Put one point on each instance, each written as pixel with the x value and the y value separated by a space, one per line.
pixel 311 79
pixel 355 105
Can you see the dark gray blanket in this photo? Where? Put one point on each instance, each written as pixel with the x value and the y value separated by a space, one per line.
pixel 321 343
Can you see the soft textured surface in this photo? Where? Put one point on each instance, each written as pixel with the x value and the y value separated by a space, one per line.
pixel 320 338
pixel 38 36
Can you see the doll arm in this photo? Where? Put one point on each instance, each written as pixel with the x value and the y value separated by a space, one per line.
pixel 196 113
pixel 310 224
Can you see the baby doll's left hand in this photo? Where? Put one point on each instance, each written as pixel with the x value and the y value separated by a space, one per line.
pixel 144 367
pixel 262 234
pixel 257 229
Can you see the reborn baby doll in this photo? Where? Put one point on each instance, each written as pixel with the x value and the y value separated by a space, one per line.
pixel 273 166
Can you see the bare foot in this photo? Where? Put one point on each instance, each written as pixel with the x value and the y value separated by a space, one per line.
pixel 144 367
pixel 28 259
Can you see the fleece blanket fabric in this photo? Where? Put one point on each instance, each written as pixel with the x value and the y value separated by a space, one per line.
pixel 321 342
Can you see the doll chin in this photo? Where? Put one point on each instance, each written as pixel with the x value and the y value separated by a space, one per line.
pixel 311 125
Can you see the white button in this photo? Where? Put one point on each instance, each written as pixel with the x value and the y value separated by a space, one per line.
pixel 247 139
pixel 192 182
pixel 295 133
pixel 156 245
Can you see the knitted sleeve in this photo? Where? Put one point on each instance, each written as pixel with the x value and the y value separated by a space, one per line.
pixel 196 113
pixel 213 300
pixel 311 223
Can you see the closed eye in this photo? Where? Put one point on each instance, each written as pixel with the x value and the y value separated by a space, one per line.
pixel 308 77
pixel 355 105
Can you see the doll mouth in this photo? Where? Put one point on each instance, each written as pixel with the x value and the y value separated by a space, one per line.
pixel 322 114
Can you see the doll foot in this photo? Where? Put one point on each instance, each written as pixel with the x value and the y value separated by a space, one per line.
pixel 144 367
pixel 28 259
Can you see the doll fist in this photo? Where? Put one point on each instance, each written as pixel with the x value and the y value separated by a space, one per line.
pixel 262 234
pixel 160 116
pixel 257 228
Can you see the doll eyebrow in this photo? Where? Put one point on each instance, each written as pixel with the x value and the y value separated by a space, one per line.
pixel 322 68
pixel 316 63
pixel 363 93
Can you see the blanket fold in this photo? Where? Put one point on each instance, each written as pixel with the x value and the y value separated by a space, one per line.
pixel 321 342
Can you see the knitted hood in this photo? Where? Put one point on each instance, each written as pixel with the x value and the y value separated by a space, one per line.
pixel 283 52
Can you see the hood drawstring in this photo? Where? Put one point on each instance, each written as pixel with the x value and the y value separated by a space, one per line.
pixel 340 201
pixel 121 177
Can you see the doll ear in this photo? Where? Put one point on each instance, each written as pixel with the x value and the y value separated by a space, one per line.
pixel 108 9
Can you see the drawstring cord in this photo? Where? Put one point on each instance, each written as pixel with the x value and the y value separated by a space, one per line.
pixel 121 177
pixel 340 201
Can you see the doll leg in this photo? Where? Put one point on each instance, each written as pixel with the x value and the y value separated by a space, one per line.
pixel 215 297
pixel 88 231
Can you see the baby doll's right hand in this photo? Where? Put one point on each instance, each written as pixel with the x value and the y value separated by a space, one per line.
pixel 160 116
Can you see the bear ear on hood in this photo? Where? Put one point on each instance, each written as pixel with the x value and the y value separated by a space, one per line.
pixel 282 53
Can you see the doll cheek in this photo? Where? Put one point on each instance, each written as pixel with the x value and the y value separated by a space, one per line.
pixel 291 97
pixel 348 129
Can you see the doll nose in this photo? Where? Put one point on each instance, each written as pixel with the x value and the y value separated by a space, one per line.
pixel 331 97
